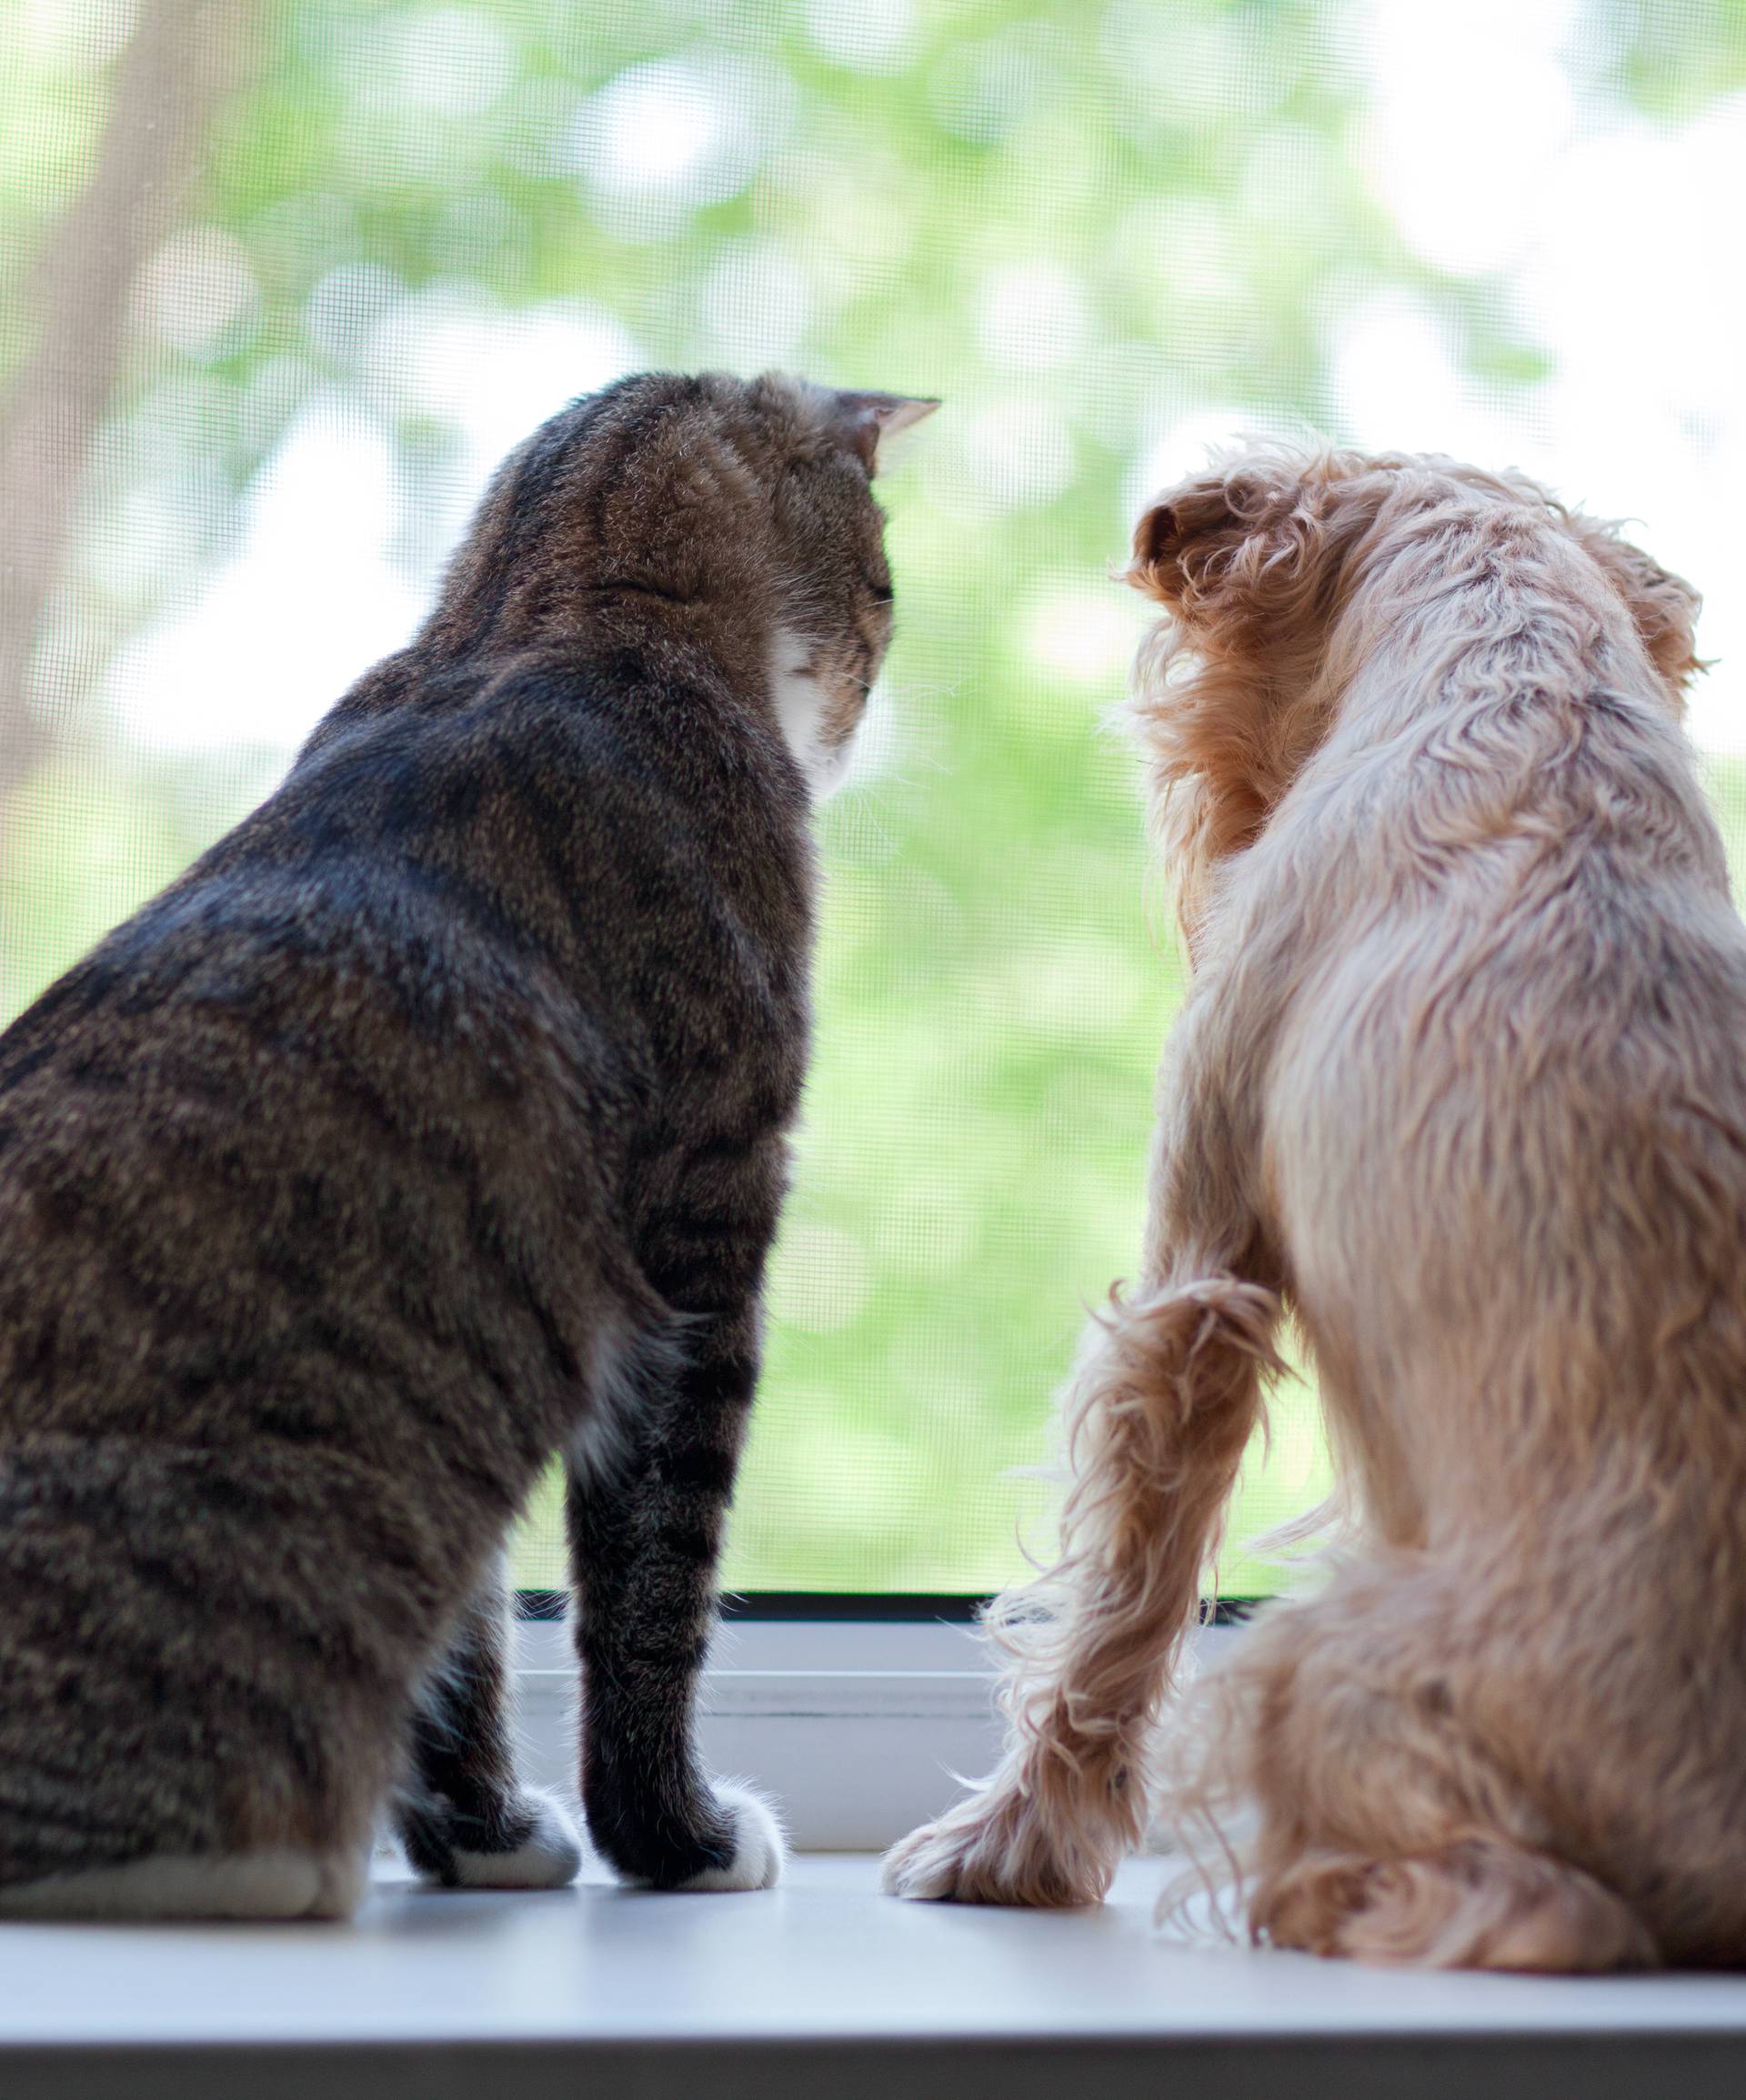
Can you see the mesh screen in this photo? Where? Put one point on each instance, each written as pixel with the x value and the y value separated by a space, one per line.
pixel 280 279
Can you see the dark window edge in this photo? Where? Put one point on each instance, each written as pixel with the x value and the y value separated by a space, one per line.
pixel 912 1607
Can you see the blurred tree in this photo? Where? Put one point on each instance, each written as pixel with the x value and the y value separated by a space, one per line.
pixel 180 57
pixel 417 225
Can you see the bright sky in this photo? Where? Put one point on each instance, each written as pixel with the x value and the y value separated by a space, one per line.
pixel 1602 228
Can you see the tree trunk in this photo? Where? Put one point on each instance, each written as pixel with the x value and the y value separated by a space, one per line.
pixel 181 57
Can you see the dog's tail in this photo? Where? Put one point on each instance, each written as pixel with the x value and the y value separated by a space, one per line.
pixel 1463 1890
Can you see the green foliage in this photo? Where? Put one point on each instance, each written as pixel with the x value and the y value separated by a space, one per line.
pixel 1080 226
pixel 1670 58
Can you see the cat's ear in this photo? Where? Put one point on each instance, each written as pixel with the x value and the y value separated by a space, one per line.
pixel 866 423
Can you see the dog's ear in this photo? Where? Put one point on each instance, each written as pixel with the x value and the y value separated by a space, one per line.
pixel 1254 552
pixel 1205 545
pixel 1181 534
pixel 1665 607
pixel 1248 559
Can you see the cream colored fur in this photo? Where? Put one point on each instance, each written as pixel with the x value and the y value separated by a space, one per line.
pixel 1461 1083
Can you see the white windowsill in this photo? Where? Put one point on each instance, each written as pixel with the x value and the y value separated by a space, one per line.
pixel 821 1987
pixel 854 1729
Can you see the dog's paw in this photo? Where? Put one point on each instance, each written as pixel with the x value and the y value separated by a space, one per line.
pixel 541 1849
pixel 760 1849
pixel 950 1861
pixel 993 1849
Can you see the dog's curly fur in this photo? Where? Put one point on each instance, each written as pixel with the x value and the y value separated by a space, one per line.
pixel 1461 1083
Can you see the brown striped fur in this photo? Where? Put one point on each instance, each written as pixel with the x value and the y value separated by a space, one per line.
pixel 431 1124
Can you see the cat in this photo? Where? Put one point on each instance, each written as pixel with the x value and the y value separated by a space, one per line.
pixel 430 1125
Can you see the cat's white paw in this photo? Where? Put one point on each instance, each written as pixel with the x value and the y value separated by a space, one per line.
pixel 550 1857
pixel 760 1849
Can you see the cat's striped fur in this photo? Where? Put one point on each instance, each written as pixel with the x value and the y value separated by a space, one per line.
pixel 430 1125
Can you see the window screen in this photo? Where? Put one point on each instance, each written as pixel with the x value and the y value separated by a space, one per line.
pixel 281 280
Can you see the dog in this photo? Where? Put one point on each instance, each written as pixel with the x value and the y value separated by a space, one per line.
pixel 1461 1086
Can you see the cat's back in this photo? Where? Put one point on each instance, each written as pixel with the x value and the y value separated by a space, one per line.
pixel 429 1128
pixel 606 835
pixel 370 1073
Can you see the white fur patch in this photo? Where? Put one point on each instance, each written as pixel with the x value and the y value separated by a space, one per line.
pixel 549 1857
pixel 600 1439
pixel 624 1365
pixel 799 702
pixel 249 1885
pixel 760 1849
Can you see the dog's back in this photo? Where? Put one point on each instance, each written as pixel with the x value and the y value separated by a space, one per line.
pixel 1459 1082
pixel 1482 951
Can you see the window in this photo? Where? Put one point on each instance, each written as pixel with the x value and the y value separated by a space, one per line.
pixel 282 282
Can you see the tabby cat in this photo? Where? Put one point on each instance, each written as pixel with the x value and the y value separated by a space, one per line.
pixel 430 1125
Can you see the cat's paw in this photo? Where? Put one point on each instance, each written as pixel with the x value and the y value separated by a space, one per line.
pixel 760 1848
pixel 541 1850
pixel 995 1848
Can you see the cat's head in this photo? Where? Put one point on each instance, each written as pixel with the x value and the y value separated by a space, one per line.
pixel 836 620
pixel 738 511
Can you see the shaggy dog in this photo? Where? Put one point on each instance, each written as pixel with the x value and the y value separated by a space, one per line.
pixel 1462 1084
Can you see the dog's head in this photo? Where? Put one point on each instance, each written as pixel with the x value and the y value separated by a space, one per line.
pixel 1256 562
